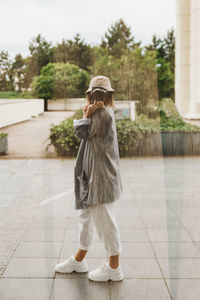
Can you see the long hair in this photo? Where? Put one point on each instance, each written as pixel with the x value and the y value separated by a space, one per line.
pixel 107 98
pixel 100 123
pixel 100 120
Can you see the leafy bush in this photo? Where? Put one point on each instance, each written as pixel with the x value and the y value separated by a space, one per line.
pixel 60 80
pixel 171 120
pixel 170 124
pixel 2 134
pixel 129 132
pixel 62 136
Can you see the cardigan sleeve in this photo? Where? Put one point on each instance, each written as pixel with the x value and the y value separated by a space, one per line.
pixel 81 128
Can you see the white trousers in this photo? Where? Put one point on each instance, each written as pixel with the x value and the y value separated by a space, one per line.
pixel 101 217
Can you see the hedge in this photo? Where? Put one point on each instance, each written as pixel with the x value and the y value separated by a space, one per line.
pixel 129 133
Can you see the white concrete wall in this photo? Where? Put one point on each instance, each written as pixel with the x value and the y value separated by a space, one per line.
pixel 17 110
pixel 66 104
pixel 77 103
pixel 187 58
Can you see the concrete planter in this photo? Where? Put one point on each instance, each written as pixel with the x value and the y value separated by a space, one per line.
pixel 181 143
pixel 60 151
pixel 3 144
pixel 168 144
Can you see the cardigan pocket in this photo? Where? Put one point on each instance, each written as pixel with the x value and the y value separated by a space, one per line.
pixel 83 185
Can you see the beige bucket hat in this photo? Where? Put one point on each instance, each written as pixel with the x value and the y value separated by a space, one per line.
pixel 100 81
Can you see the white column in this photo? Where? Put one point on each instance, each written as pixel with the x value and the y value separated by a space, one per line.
pixel 187 58
pixel 194 109
pixel 182 57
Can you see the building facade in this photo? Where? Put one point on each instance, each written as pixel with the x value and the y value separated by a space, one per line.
pixel 187 58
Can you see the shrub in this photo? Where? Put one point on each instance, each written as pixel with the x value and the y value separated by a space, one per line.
pixel 2 134
pixel 62 137
pixel 66 143
pixel 129 133
pixel 60 80
pixel 171 120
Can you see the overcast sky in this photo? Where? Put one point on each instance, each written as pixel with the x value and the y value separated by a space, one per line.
pixel 21 20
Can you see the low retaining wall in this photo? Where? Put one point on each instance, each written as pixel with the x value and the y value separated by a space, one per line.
pixel 160 144
pixel 168 144
pixel 65 104
pixel 17 110
pixel 123 109
pixel 181 143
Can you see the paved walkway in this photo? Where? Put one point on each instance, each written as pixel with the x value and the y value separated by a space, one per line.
pixel 158 216
pixel 29 138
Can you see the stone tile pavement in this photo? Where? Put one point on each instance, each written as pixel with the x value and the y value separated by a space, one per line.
pixel 158 216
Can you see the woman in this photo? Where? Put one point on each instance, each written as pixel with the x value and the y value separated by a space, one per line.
pixel 97 182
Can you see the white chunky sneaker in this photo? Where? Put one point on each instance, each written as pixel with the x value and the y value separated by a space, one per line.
pixel 71 265
pixel 105 273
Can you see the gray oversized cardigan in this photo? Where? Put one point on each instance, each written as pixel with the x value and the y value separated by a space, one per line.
pixel 97 176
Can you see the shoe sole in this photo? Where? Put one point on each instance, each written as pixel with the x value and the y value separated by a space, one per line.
pixel 73 270
pixel 112 279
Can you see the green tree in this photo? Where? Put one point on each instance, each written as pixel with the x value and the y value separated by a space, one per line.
pixel 137 71
pixel 105 64
pixel 170 49
pixel 17 70
pixel 42 85
pixel 165 53
pixel 31 70
pixel 41 51
pixel 60 80
pixel 75 52
pixel 118 37
pixel 6 79
pixel 166 79
pixel 133 75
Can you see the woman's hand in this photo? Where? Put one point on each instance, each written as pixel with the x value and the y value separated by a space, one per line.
pixel 89 109
pixel 85 108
